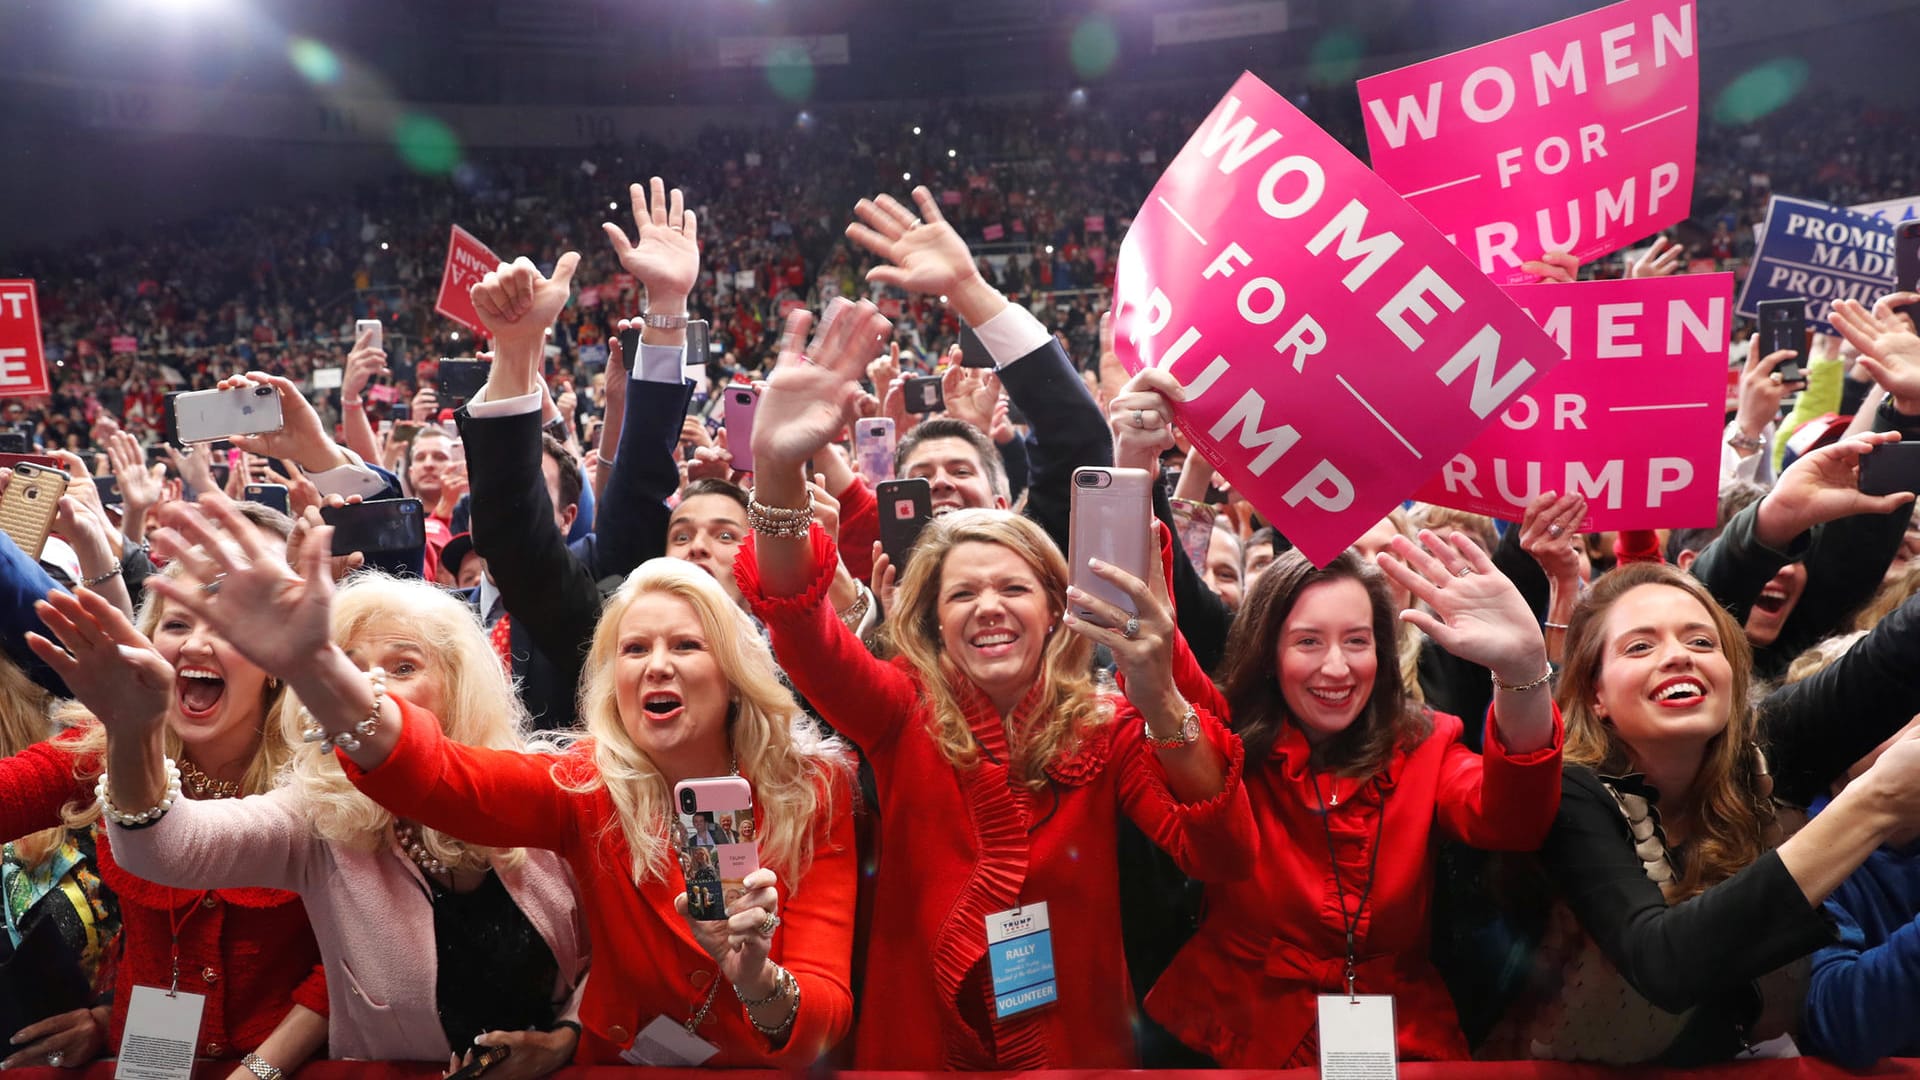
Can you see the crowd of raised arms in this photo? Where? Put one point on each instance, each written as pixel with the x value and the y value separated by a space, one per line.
pixel 1625 798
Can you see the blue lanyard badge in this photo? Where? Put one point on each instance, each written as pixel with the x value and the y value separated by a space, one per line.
pixel 1020 950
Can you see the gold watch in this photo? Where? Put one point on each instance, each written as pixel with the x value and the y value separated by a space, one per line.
pixel 1189 732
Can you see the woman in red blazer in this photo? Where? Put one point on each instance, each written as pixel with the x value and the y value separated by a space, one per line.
pixel 251 952
pixel 1350 781
pixel 1001 770
pixel 678 686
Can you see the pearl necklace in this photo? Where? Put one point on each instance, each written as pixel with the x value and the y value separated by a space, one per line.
pixel 410 843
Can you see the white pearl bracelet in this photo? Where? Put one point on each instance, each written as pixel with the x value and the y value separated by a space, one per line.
pixel 144 817
pixel 311 731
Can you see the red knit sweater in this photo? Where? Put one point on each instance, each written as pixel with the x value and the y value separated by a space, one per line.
pixel 960 844
pixel 250 951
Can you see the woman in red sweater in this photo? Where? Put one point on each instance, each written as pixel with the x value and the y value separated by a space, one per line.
pixel 1001 770
pixel 678 686
pixel 251 952
pixel 1350 781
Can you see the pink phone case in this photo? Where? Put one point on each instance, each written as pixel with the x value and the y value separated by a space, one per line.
pixel 738 405
pixel 714 830
pixel 1111 512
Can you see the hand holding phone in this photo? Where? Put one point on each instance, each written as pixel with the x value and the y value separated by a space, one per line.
pixel 715 834
pixel 1111 511
pixel 906 505
pixel 739 404
pixel 1783 326
pixel 381 525
pixel 873 446
pixel 30 504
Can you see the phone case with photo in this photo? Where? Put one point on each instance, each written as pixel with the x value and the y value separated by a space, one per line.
pixel 714 833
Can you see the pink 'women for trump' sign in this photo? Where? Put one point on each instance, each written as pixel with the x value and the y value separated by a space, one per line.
pixel 1632 421
pixel 1335 349
pixel 1577 136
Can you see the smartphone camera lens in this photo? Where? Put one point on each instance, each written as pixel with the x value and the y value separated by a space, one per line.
pixel 262 391
pixel 686 801
pixel 1087 480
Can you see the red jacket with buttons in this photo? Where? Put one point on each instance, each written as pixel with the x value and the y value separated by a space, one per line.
pixel 1244 989
pixel 250 951
pixel 646 963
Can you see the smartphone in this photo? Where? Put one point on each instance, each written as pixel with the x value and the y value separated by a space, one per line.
pixel 716 834
pixel 361 326
pixel 199 416
pixel 1906 256
pixel 1196 529
pixel 381 525
pixel 108 488
pixel 157 455
pixel 28 508
pixel 1111 509
pixel 739 403
pixel 873 445
pixel 405 430
pixel 693 364
pixel 1891 468
pixel 1783 325
pixel 484 1058
pixel 906 506
pixel 15 442
pixel 925 394
pixel 973 352
pixel 400 410
pixel 458 380
pixel 45 461
pixel 274 495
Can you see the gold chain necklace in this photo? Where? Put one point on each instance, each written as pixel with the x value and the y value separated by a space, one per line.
pixel 201 786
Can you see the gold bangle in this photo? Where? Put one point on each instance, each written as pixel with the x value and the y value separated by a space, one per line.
pixel 784 522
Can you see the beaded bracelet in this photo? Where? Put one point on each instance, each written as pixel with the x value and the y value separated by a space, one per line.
pixel 145 817
pixel 311 731
pixel 110 573
pixel 784 522
pixel 784 984
pixel 1522 688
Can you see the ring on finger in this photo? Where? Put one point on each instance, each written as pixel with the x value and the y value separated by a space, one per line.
pixel 212 587
pixel 1140 418
pixel 56 1059
pixel 1554 530
pixel 768 925
pixel 1132 629
pixel 1463 571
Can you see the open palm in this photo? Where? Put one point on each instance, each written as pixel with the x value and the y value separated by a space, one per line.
pixel 812 396
pixel 665 251
pixel 106 662
pixel 925 254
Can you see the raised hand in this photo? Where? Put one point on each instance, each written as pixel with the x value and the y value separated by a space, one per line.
pixel 1659 260
pixel 1823 485
pixel 736 943
pixel 1141 419
pixel 1761 388
pixel 517 303
pixel 1889 348
pixel 106 662
pixel 140 484
pixel 971 393
pixel 1144 657
pixel 923 253
pixel 302 439
pixel 1550 532
pixel 665 252
pixel 363 363
pixel 1557 266
pixel 812 396
pixel 425 405
pixel 1477 614
pixel 239 583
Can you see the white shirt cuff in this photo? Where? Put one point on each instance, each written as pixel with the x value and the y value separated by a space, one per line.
pixel 1011 334
pixel 353 478
pixel 659 363
pixel 479 407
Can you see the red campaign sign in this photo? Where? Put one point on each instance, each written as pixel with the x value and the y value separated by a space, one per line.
pixel 1336 350
pixel 23 364
pixel 890 307
pixel 122 344
pixel 1096 223
pixel 1576 136
pixel 950 197
pixel 1632 421
pixel 993 232
pixel 468 260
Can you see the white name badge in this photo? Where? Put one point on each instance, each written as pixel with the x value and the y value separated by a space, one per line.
pixel 162 1031
pixel 1020 952
pixel 667 1043
pixel 1356 1038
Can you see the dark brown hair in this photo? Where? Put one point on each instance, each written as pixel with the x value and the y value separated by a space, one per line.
pixel 1251 681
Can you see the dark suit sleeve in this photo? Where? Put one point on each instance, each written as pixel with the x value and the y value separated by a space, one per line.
pixel 1203 618
pixel 22 583
pixel 1520 568
pixel 548 591
pixel 633 513
pixel 1815 728
pixel 1013 454
pixel 1068 432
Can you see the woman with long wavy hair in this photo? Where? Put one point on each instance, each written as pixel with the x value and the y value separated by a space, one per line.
pixel 679 687
pixel 251 952
pixel 427 940
pixel 1683 920
pixel 1001 769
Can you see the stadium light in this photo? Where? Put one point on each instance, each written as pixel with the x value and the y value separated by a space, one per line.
pixel 383 245
pixel 953 154
pixel 613 206
pixel 907 176
pixel 916 129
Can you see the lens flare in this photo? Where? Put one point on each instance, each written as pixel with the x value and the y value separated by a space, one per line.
pixel 1760 90
pixel 315 62
pixel 426 145
pixel 1094 47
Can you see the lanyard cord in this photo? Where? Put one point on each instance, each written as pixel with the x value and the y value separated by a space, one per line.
pixel 1351 921
pixel 177 925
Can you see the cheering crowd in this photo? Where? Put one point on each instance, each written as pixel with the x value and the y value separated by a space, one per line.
pixel 1630 799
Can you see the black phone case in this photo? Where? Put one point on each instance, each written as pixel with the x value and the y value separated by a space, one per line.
pixel 378 526
pixel 1891 468
pixel 925 394
pixel 899 533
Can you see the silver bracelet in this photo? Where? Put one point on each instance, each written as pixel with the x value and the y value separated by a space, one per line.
pixel 144 817
pixel 312 732
pixel 258 1066
pixel 786 984
pixel 111 572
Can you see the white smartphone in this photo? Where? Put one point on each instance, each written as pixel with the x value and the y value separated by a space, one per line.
pixel 210 415
pixel 361 326
pixel 715 834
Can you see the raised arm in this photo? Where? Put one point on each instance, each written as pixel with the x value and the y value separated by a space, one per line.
pixel 363 363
